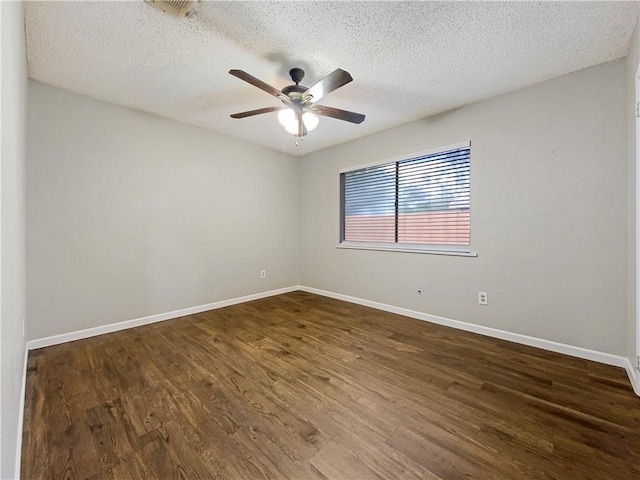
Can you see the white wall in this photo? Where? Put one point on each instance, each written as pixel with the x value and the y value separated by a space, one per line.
pixel 12 231
pixel 549 215
pixel 130 215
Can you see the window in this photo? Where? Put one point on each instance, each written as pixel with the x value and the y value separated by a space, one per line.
pixel 420 203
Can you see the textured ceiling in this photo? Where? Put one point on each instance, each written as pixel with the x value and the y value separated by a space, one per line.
pixel 409 60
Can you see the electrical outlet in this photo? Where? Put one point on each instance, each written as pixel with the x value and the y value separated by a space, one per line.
pixel 263 274
pixel 483 298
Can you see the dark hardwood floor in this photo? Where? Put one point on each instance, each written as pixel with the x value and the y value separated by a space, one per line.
pixel 301 386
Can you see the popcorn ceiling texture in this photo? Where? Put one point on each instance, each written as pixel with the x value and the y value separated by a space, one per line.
pixel 409 60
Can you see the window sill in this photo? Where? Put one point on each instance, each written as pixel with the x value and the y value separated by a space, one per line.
pixel 405 249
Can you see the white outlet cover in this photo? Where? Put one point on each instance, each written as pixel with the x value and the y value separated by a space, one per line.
pixel 483 298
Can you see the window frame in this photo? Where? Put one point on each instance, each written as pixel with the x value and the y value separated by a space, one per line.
pixel 454 250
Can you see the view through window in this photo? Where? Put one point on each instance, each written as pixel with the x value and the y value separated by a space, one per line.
pixel 419 201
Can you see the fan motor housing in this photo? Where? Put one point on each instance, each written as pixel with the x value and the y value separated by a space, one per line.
pixel 299 89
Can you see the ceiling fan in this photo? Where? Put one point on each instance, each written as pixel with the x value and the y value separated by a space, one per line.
pixel 298 115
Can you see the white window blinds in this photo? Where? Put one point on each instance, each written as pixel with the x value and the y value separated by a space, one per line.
pixel 423 201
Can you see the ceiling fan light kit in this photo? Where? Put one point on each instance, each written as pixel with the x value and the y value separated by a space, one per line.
pixel 299 115
pixel 287 118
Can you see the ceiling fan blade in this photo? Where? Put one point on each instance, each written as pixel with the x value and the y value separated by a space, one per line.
pixel 337 113
pixel 242 75
pixel 328 84
pixel 259 111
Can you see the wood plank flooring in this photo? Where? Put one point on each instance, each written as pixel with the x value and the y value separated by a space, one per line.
pixel 300 386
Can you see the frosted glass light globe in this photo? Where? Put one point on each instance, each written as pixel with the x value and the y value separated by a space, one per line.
pixel 310 120
pixel 287 119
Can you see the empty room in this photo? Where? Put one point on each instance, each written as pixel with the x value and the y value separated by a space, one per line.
pixel 320 240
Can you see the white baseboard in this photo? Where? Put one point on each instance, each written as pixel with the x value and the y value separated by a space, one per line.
pixel 634 376
pixel 23 392
pixel 566 349
pixel 137 322
pixel 571 350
